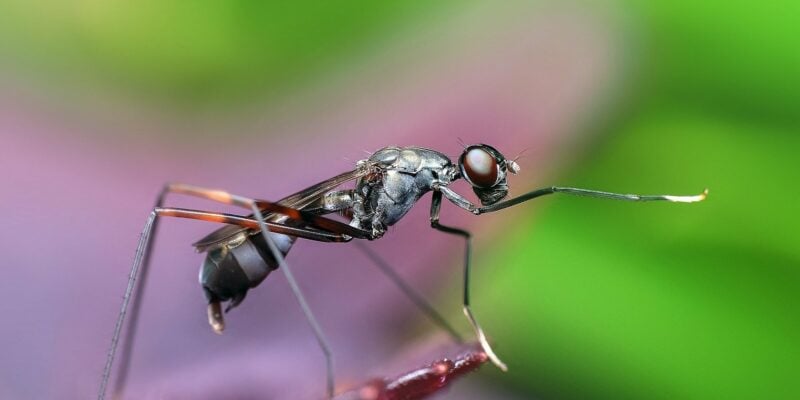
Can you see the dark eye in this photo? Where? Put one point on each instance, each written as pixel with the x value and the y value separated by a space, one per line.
pixel 480 167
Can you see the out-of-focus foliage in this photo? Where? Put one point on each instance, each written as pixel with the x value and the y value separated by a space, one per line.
pixel 623 300
pixel 196 52
pixel 585 298
pixel 735 56
pixel 601 299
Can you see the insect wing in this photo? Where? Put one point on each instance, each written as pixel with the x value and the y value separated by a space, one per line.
pixel 298 200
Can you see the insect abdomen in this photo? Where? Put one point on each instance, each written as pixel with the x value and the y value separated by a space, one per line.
pixel 230 270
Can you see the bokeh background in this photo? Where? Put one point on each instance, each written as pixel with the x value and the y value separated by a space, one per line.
pixel 103 102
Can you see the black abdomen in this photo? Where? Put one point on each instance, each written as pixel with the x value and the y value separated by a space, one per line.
pixel 230 270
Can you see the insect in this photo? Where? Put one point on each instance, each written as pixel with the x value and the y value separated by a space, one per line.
pixel 241 254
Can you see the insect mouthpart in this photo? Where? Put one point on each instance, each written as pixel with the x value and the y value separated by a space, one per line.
pixel 489 196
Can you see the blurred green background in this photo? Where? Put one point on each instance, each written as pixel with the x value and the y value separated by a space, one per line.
pixel 662 302
pixel 584 298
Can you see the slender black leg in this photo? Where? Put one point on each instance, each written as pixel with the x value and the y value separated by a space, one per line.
pixel 323 343
pixel 589 193
pixel 148 235
pixel 462 202
pixel 142 258
pixel 255 206
pixel 141 251
pixel 412 294
pixel 436 205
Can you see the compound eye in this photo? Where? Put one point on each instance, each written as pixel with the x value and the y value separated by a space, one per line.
pixel 480 167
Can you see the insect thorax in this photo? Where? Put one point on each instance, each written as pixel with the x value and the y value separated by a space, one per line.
pixel 406 174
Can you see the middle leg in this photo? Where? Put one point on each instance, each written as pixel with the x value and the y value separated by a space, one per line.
pixel 409 291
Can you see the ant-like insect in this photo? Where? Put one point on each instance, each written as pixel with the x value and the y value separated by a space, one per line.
pixel 388 184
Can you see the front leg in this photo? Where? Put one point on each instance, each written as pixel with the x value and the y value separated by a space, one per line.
pixel 455 198
pixel 462 202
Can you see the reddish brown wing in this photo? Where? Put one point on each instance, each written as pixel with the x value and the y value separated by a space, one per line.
pixel 298 200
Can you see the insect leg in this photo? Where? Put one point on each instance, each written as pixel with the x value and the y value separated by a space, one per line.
pixel 130 329
pixel 256 207
pixel 140 263
pixel 589 193
pixel 436 204
pixel 268 208
pixel 412 294
pixel 460 201
pixel 320 335
pixel 141 251
pixel 133 322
